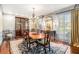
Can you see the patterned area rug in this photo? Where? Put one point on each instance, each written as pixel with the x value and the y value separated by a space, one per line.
pixel 54 49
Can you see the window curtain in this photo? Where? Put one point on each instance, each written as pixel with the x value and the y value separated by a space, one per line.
pixel 75 26
pixel 63 26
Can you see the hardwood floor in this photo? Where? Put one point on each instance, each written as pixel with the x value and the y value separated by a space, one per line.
pixel 4 49
pixel 74 50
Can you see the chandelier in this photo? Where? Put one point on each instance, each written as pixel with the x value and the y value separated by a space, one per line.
pixel 33 15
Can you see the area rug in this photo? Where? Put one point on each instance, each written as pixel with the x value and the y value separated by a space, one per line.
pixel 54 48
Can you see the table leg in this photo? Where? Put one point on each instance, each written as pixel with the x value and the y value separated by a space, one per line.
pixel 29 43
pixel 49 44
pixel 44 46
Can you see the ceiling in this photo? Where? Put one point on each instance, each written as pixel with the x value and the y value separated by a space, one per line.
pixel 27 9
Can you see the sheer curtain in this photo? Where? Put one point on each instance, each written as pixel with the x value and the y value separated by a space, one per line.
pixel 63 26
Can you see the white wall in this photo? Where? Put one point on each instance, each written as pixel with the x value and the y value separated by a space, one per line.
pixel 9 23
pixel 1 25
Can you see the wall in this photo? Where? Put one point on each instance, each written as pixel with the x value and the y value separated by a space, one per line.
pixel 1 26
pixel 9 23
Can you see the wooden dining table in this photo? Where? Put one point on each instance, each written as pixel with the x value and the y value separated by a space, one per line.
pixel 36 36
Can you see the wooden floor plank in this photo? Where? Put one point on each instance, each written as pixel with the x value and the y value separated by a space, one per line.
pixel 5 48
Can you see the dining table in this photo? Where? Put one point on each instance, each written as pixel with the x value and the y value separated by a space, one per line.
pixel 38 36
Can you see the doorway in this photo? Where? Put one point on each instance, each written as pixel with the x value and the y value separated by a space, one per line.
pixel 20 26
